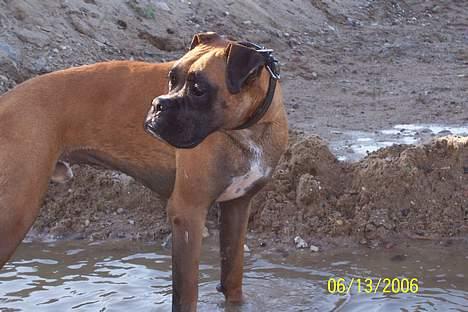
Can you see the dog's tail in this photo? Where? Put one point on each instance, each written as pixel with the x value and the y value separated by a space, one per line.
pixel 62 172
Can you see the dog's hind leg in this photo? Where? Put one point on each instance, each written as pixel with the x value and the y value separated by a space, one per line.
pixel 23 183
pixel 234 216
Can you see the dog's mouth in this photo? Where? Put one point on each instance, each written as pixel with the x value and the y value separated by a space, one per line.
pixel 164 124
pixel 151 122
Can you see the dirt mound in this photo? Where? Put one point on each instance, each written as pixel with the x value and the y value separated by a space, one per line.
pixel 417 191
pixel 301 196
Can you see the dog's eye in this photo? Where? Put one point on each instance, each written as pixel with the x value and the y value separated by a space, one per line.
pixel 196 89
pixel 172 80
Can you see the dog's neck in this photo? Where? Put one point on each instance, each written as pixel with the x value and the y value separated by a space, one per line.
pixel 257 97
pixel 274 118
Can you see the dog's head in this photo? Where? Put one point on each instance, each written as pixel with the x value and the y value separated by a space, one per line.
pixel 216 85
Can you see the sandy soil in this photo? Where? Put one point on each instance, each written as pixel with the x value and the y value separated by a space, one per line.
pixel 347 65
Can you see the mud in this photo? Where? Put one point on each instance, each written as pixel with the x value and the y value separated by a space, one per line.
pixel 99 205
pixel 347 67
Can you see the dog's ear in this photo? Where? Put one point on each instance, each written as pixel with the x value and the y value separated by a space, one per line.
pixel 204 38
pixel 242 63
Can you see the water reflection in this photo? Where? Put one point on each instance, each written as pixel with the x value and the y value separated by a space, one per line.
pixel 118 276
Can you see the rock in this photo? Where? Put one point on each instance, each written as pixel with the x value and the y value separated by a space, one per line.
pixel 9 67
pixel 131 222
pixel 122 24
pixel 247 22
pixel 120 210
pixel 246 248
pixel 308 194
pixel 167 243
pixel 435 9
pixel 9 51
pixel 81 26
pixel 161 5
pixel 121 178
pixel 37 38
pixel 170 43
pixel 39 65
pixel 444 133
pixel 300 243
pixel 313 248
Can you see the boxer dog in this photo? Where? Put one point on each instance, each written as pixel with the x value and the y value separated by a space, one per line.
pixel 215 130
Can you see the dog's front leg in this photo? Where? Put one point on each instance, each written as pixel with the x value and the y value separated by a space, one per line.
pixel 187 223
pixel 234 217
pixel 200 179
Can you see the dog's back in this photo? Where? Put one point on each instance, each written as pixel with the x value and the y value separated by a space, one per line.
pixel 91 114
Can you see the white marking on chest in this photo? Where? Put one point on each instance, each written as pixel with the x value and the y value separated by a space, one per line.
pixel 241 184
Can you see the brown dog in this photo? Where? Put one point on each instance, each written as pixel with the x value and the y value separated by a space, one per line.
pixel 95 113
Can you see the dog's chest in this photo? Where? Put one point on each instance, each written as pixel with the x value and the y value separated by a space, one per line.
pixel 258 170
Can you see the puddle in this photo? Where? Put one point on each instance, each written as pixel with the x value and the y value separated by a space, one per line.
pixel 355 145
pixel 118 276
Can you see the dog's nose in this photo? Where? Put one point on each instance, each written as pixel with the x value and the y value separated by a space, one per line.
pixel 160 104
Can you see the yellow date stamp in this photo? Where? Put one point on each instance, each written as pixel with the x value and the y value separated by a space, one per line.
pixel 373 285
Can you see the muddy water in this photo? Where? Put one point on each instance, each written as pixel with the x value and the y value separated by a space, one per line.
pixel 354 145
pixel 118 276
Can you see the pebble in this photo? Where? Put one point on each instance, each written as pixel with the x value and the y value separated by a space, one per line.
pixel 246 248
pixel 120 210
pixel 131 222
pixel 247 22
pixel 167 243
pixel 314 248
pixel 300 243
